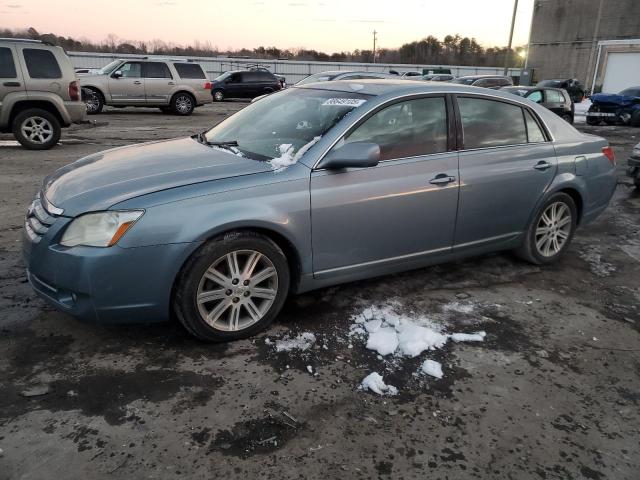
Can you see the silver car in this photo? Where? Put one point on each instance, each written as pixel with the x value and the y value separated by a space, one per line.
pixel 174 86
pixel 309 187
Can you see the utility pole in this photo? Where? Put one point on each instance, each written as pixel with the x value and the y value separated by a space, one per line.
pixel 513 23
pixel 374 45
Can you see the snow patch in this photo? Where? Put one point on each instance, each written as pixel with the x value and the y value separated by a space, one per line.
pixel 597 265
pixel 303 342
pixel 375 383
pixel 458 307
pixel 468 337
pixel 432 368
pixel 288 157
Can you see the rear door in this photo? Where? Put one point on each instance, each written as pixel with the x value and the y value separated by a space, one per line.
pixel 159 84
pixel 554 101
pixel 127 89
pixel 42 72
pixel 10 75
pixel 506 164
pixel 402 210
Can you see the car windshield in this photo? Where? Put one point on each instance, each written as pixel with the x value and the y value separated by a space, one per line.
pixel 631 92
pixel 464 81
pixel 283 123
pixel 108 68
pixel 316 77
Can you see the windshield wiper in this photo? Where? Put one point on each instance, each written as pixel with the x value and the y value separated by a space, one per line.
pixel 231 143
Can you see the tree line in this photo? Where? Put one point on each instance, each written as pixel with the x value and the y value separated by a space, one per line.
pixel 452 50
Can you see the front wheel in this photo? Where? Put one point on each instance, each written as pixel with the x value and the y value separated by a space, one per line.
pixel 549 234
pixel 94 102
pixel 183 104
pixel 232 288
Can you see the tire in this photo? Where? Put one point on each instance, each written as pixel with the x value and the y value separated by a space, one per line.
pixel 218 96
pixel 236 309
pixel 533 249
pixel 36 129
pixel 94 103
pixel 568 118
pixel 635 119
pixel 593 121
pixel 183 104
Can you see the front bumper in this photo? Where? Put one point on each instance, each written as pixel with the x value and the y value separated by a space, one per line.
pixel 105 285
pixel 609 115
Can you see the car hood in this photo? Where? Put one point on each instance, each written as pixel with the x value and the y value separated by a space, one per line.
pixel 103 179
pixel 90 78
pixel 616 99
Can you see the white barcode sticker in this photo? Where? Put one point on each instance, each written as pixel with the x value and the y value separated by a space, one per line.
pixel 344 102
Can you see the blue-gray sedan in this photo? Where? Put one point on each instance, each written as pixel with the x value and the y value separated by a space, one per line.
pixel 309 187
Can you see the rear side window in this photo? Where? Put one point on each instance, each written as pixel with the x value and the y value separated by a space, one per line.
pixel 406 129
pixel 488 123
pixel 41 63
pixel 553 96
pixel 156 70
pixel 189 70
pixel 265 77
pixel 7 67
pixel 534 132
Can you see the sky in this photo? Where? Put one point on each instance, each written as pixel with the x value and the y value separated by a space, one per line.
pixel 327 25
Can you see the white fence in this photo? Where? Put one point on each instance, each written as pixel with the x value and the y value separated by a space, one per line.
pixel 292 70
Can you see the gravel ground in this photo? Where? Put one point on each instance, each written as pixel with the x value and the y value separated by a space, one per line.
pixel 552 393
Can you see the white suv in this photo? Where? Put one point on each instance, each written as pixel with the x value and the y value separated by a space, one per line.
pixel 175 86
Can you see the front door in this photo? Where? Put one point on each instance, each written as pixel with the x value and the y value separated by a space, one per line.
pixel 398 212
pixel 158 83
pixel 505 166
pixel 126 85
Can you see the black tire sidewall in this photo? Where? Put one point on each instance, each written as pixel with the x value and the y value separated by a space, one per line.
pixel 174 100
pixel 36 112
pixel 184 302
pixel 531 233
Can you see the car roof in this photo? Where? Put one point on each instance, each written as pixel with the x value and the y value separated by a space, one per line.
pixel 379 87
pixel 484 76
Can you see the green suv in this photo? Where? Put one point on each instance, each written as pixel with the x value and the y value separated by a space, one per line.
pixel 39 92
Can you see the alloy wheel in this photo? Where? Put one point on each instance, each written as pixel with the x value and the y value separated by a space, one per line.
pixel 183 104
pixel 237 290
pixel 218 96
pixel 553 229
pixel 37 129
pixel 92 103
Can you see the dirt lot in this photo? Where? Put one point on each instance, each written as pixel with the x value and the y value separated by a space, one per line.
pixel 552 393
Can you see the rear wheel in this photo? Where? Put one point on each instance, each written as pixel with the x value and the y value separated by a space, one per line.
pixel 635 119
pixel 36 129
pixel 567 118
pixel 549 234
pixel 183 104
pixel 232 288
pixel 593 121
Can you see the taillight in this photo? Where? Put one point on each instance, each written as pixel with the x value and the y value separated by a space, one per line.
pixel 74 91
pixel 207 86
pixel 608 152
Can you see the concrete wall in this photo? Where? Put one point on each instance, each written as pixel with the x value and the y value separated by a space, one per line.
pixel 291 69
pixel 565 34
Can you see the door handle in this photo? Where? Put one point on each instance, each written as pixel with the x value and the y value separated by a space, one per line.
pixel 137 82
pixel 171 83
pixel 11 84
pixel 442 179
pixel 542 165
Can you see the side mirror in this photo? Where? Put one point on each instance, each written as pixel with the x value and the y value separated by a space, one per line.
pixel 352 155
pixel 117 74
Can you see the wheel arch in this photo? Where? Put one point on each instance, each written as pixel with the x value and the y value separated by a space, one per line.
pixel 23 105
pixel 576 196
pixel 97 90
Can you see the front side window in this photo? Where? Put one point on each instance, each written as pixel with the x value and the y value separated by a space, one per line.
pixel 7 67
pixel 489 123
pixel 284 122
pixel 554 96
pixel 406 129
pixel 41 63
pixel 156 70
pixel 189 70
pixel 131 70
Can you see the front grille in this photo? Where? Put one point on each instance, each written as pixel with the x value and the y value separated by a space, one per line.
pixel 38 220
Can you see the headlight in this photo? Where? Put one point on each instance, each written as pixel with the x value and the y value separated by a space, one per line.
pixel 102 229
pixel 636 152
